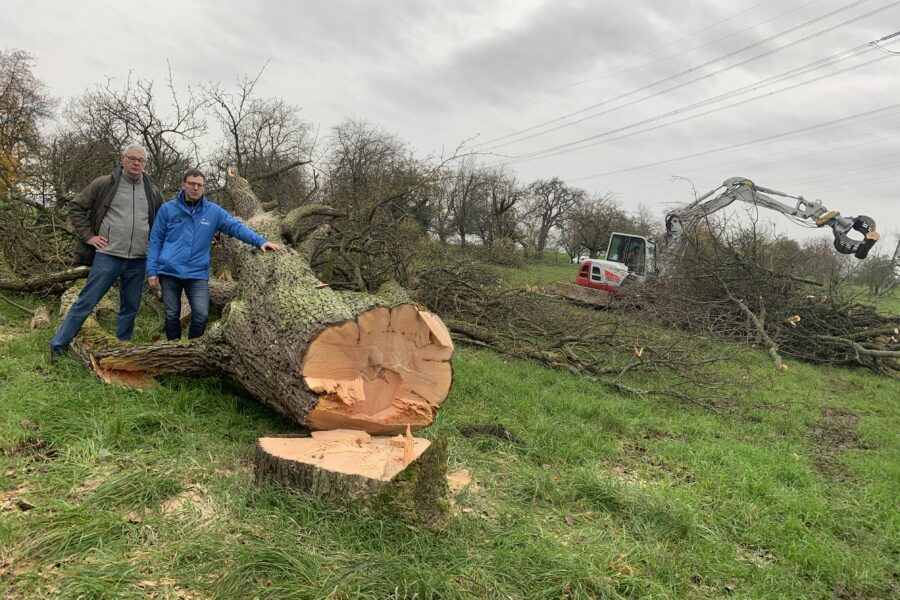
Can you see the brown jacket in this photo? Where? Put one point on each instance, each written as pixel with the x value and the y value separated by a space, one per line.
pixel 87 210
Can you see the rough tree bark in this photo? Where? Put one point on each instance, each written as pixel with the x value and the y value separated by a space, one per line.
pixel 404 477
pixel 41 283
pixel 325 359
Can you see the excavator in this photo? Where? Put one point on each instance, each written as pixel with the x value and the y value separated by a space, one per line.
pixel 634 258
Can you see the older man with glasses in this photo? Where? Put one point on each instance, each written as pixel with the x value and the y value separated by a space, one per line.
pixel 112 217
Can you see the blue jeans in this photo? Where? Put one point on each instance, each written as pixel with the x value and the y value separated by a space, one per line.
pixel 105 270
pixel 197 292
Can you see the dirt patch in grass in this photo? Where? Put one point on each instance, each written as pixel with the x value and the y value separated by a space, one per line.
pixel 8 334
pixel 166 588
pixel 835 433
pixel 32 448
pixel 641 466
pixel 12 501
pixel 761 557
pixel 194 501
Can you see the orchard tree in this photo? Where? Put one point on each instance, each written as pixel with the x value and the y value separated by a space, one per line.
pixel 380 192
pixel 550 202
pixel 32 236
pixel 24 106
pixel 111 117
pixel 266 140
pixel 593 220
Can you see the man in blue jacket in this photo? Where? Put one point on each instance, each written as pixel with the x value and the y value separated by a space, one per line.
pixel 178 253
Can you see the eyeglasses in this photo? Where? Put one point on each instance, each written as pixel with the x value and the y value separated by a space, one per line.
pixel 192 184
pixel 135 159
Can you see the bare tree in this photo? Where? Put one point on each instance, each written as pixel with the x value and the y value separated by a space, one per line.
pixel 24 106
pixel 382 193
pixel 441 222
pixel 549 203
pixel 266 140
pixel 819 261
pixel 465 195
pixel 645 223
pixel 593 220
pixel 30 231
pixel 116 116
pixel 504 193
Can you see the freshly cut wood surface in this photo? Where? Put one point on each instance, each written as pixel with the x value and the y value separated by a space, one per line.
pixel 347 452
pixel 388 368
pixel 402 477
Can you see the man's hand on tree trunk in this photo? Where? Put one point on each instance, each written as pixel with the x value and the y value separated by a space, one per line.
pixel 98 241
pixel 270 247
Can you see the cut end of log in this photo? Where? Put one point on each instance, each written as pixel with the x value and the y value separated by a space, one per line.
pixel 41 318
pixel 386 370
pixel 136 380
pixel 346 452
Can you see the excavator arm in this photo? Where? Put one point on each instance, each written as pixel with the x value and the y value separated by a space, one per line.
pixel 744 190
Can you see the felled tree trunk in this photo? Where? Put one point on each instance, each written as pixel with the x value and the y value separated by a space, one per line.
pixel 325 359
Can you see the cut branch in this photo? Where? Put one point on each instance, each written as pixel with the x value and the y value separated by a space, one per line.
pixel 44 282
pixel 279 171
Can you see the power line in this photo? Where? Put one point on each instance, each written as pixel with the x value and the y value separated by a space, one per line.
pixel 877 43
pixel 890 160
pixel 594 140
pixel 769 138
pixel 786 159
pixel 733 167
pixel 730 165
pixel 618 70
pixel 685 72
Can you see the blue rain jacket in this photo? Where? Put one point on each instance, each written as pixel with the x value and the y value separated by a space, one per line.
pixel 181 237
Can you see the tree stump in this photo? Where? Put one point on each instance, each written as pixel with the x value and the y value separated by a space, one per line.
pixel 402 476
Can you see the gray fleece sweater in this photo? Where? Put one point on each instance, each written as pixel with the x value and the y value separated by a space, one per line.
pixel 126 225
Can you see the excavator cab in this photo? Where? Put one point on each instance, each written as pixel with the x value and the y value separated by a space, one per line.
pixel 636 252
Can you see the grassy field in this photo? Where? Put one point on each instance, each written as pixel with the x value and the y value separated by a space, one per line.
pixel 789 492
pixel 553 268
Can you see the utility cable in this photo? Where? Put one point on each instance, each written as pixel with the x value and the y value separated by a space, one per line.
pixel 836 58
pixel 618 70
pixel 492 143
pixel 594 140
pixel 769 138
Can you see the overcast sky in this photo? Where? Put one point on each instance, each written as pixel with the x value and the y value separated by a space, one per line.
pixel 611 96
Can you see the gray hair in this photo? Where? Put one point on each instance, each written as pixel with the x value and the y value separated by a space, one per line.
pixel 138 147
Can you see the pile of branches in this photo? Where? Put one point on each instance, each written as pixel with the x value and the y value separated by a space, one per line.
pixel 605 347
pixel 35 248
pixel 746 288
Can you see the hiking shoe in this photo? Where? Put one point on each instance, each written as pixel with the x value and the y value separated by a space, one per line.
pixel 55 354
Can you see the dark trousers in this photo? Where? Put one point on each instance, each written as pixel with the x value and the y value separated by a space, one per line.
pixel 197 292
pixel 105 270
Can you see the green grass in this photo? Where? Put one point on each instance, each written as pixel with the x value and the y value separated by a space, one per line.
pixel 889 304
pixel 545 272
pixel 789 493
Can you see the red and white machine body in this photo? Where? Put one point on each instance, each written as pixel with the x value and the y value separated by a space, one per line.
pixel 628 257
pixel 600 274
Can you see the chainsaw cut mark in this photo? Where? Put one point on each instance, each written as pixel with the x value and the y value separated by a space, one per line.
pixel 386 369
